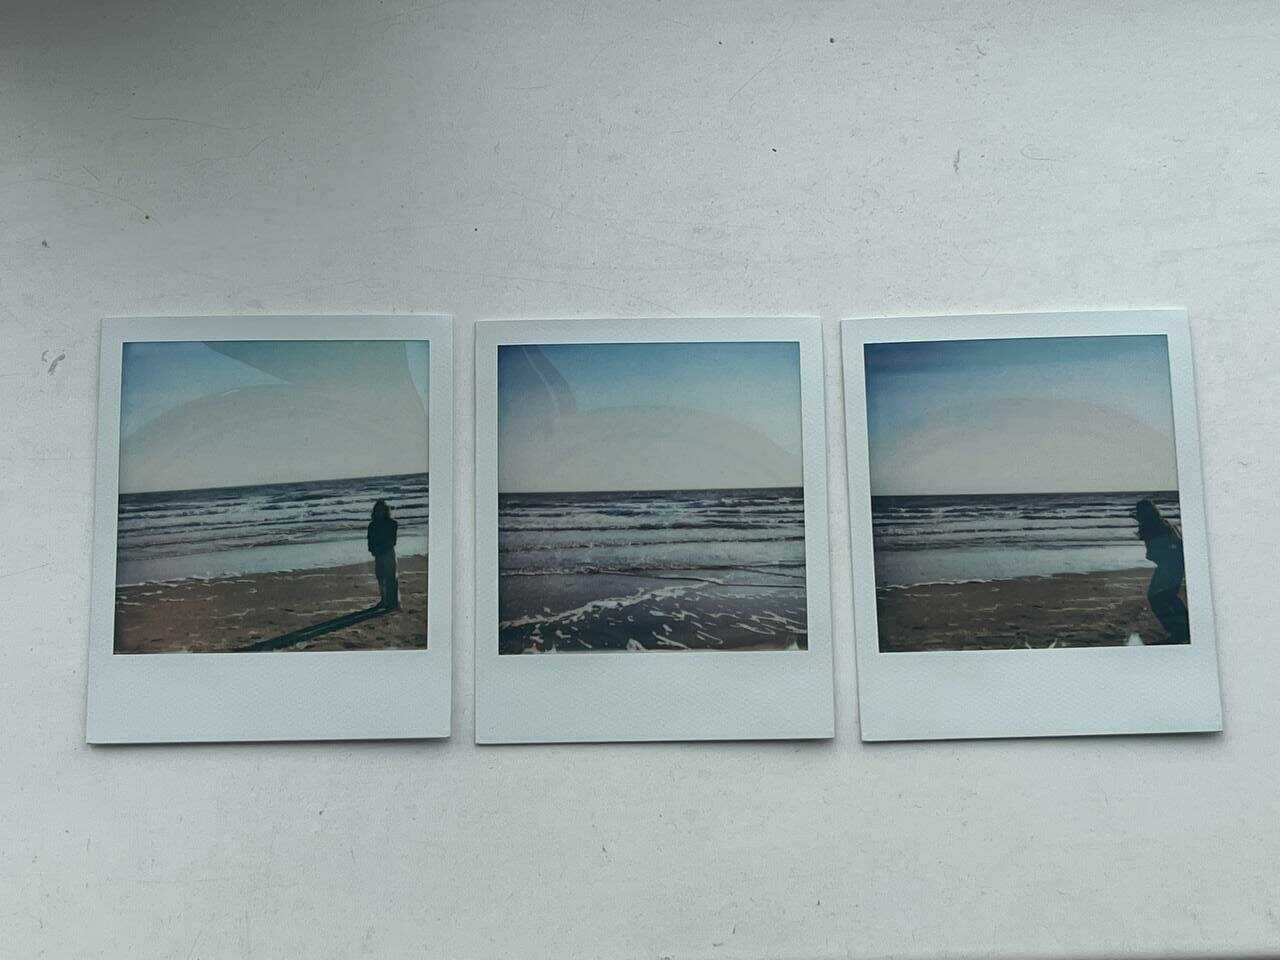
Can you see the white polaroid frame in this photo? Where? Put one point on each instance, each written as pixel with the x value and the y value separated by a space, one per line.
pixel 318 695
pixel 1032 693
pixel 697 695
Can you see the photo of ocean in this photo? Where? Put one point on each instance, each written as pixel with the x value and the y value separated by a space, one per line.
pixel 273 495
pixel 1024 494
pixel 650 498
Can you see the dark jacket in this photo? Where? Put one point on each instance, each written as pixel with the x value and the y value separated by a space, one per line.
pixel 382 535
pixel 1164 543
pixel 1165 549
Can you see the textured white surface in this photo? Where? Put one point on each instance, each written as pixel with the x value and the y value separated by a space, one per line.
pixel 503 159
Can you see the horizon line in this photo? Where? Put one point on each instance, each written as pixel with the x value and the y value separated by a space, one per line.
pixel 1028 493
pixel 277 483
pixel 781 486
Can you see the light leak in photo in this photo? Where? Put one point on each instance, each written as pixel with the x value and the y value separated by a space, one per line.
pixel 273 496
pixel 651 497
pixel 1024 493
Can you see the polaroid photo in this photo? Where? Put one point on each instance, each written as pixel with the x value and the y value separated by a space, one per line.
pixel 651 541
pixel 1028 526
pixel 272 530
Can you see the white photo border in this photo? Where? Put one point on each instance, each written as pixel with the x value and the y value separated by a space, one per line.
pixel 707 695
pixel 1032 693
pixel 320 695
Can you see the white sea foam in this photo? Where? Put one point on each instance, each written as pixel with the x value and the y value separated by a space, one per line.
pixel 593 607
pixel 676 568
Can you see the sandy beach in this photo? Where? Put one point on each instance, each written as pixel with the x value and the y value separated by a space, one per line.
pixel 228 614
pixel 1068 609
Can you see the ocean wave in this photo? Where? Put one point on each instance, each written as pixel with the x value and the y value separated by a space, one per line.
pixel 169 524
pixel 619 546
pixel 656 535
pixel 596 606
pixel 655 525
pixel 695 571
pixel 942 543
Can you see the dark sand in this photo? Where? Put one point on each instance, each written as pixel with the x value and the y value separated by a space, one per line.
pixel 229 613
pixel 1066 610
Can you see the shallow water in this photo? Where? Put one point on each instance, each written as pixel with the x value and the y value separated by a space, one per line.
pixel 180 534
pixel 666 570
pixel 931 539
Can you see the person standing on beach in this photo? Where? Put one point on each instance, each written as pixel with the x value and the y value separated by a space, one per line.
pixel 1164 549
pixel 382 544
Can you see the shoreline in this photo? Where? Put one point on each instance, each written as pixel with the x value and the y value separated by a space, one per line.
pixel 232 613
pixel 613 612
pixel 1097 609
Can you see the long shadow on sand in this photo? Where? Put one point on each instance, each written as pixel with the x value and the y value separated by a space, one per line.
pixel 307 634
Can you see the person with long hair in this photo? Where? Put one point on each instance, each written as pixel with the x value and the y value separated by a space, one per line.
pixel 382 544
pixel 1164 549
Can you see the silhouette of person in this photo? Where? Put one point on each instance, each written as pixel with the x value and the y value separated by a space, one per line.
pixel 382 544
pixel 1164 549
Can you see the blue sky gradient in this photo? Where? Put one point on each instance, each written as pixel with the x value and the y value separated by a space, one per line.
pixel 646 416
pixel 229 413
pixel 1026 415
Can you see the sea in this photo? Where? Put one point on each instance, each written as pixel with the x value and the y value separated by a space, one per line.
pixel 980 537
pixel 183 534
pixel 652 570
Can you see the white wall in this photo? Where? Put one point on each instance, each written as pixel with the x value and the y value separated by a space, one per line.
pixel 633 159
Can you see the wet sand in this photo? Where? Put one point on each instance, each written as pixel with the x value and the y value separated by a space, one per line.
pixel 584 613
pixel 227 614
pixel 1066 610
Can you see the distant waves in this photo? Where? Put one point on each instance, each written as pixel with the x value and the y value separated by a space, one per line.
pixel 172 535
pixel 927 539
pixel 652 570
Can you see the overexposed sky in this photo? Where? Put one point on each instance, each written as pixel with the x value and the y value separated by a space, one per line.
pixel 1027 415
pixel 223 413
pixel 648 416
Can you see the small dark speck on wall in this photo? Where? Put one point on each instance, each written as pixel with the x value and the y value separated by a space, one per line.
pixel 774 149
pixel 831 40
pixel 45 244
pixel 56 360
